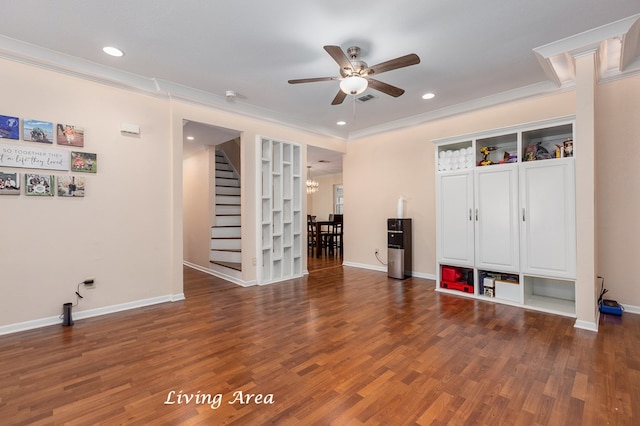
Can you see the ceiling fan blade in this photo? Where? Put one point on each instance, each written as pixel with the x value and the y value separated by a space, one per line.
pixel 340 97
pixel 340 57
pixel 385 88
pixel 312 80
pixel 401 62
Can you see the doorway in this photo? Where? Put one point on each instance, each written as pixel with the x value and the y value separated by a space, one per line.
pixel 212 203
pixel 325 168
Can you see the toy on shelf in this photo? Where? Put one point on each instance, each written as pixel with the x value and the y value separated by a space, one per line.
pixel 536 151
pixel 485 150
pixel 508 158
pixel 568 147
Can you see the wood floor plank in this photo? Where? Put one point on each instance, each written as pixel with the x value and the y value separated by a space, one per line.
pixel 340 346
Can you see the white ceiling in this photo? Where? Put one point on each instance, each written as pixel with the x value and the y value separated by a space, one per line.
pixel 470 50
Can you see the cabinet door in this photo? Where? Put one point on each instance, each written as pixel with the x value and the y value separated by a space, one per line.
pixel 496 218
pixel 454 233
pixel 548 218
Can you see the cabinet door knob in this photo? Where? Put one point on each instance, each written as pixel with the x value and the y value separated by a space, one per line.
pixel 476 215
pixel 470 217
pixel 523 214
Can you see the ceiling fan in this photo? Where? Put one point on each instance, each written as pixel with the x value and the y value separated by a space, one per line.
pixel 355 74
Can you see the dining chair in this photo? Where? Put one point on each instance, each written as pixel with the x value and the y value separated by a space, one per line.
pixel 311 234
pixel 334 235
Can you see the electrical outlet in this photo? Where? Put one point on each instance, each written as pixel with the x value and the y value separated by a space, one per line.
pixel 254 261
pixel 89 282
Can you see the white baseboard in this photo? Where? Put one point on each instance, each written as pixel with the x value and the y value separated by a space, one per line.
pixel 587 325
pixel 631 309
pixel 382 268
pixel 78 315
pixel 219 274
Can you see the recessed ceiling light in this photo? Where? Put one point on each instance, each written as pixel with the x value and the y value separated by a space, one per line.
pixel 341 123
pixel 428 96
pixel 190 138
pixel 113 51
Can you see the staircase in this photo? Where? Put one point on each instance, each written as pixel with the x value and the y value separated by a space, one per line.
pixel 225 235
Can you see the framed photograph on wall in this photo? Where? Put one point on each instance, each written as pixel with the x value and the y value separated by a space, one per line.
pixel 84 162
pixel 38 185
pixel 9 127
pixel 9 183
pixel 70 135
pixel 37 131
pixel 71 186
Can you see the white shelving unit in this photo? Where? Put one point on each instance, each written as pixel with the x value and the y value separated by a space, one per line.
pixel 505 211
pixel 280 211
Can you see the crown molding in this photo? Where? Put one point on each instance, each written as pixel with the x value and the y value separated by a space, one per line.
pixel 556 59
pixel 616 45
pixel 528 92
pixel 37 56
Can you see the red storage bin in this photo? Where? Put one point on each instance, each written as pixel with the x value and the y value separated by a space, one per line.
pixel 457 285
pixel 451 274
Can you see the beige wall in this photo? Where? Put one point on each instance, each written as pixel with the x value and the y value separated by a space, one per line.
pixel 120 232
pixel 197 207
pixel 618 188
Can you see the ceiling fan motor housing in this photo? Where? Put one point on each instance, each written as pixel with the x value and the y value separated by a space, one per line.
pixel 355 75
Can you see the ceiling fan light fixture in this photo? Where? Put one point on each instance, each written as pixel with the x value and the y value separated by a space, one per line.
pixel 354 85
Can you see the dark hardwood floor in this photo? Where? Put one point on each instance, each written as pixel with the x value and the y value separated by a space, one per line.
pixel 324 262
pixel 343 346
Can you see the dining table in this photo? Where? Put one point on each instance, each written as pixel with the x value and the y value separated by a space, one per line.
pixel 318 231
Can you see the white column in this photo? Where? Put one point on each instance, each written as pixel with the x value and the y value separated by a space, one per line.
pixel 586 282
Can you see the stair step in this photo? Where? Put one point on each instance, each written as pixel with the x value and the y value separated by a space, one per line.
pixel 230 265
pixel 227 182
pixel 223 166
pixel 226 232
pixel 222 209
pixel 227 190
pixel 226 244
pixel 228 199
pixel 233 220
pixel 225 174
pixel 225 256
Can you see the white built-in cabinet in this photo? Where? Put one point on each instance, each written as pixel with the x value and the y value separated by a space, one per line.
pixel 280 211
pixel 496 218
pixel 454 234
pixel 505 216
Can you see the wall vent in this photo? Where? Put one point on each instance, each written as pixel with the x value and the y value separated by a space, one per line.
pixel 366 98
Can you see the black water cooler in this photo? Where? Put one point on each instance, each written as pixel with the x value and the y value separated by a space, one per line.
pixel 399 248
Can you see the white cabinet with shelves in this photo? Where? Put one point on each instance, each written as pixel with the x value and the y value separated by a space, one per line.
pixel 280 211
pixel 510 218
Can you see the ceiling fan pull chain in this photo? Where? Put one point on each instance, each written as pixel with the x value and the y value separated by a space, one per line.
pixel 354 109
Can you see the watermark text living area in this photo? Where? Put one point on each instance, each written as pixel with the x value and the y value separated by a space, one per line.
pixel 215 400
